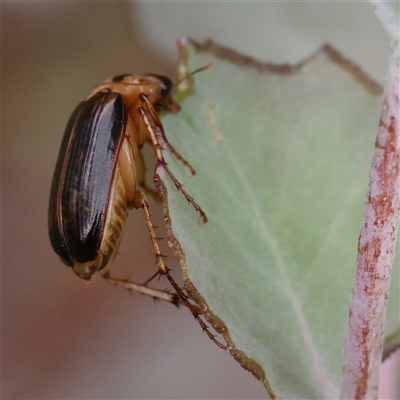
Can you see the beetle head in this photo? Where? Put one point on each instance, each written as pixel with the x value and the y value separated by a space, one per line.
pixel 163 100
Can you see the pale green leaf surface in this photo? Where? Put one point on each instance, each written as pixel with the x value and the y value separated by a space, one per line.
pixel 283 187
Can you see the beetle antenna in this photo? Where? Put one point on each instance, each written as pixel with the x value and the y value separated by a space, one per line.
pixel 204 67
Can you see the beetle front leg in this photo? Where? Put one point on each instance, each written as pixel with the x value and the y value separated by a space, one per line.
pixel 158 126
pixel 157 138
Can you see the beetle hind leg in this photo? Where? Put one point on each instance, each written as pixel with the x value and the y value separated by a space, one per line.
pixel 178 298
pixel 156 294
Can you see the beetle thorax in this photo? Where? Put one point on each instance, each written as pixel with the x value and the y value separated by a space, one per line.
pixel 131 86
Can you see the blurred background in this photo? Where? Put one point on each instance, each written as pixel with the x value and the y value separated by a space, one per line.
pixel 66 338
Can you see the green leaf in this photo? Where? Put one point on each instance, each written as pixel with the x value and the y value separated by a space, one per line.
pixel 282 156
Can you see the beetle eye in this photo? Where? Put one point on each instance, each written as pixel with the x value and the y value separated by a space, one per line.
pixel 166 84
pixel 119 78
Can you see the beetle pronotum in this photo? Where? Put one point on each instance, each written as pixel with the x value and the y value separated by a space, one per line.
pixel 98 170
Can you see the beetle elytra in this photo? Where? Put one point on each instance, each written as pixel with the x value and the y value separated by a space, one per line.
pixel 98 171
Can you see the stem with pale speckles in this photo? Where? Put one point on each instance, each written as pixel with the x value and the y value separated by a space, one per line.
pixel 376 251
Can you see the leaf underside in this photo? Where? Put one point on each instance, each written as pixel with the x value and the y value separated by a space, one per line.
pixel 282 156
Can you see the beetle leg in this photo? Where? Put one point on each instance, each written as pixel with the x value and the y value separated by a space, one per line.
pixel 141 201
pixel 195 312
pixel 143 289
pixel 165 141
pixel 164 295
pixel 142 179
pixel 157 140
pixel 179 157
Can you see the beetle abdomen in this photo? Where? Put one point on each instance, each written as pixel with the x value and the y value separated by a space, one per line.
pixel 116 216
pixel 84 177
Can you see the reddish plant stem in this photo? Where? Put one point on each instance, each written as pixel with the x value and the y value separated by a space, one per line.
pixel 376 251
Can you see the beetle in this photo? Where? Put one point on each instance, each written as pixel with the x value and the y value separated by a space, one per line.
pixel 99 169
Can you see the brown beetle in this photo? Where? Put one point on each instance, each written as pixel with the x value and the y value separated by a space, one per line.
pixel 98 172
